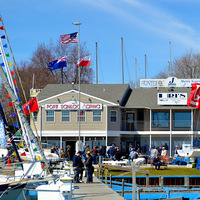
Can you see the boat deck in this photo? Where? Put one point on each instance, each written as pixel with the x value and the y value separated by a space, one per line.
pixel 96 190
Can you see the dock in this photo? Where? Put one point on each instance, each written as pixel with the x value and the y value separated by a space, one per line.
pixel 96 190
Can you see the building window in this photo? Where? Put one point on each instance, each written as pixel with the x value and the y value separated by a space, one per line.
pixel 182 119
pixel 35 116
pixel 96 116
pixel 50 115
pixel 113 116
pixel 65 115
pixel 160 119
pixel 82 116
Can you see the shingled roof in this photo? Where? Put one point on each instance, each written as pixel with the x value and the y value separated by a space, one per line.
pixel 109 92
pixel 147 97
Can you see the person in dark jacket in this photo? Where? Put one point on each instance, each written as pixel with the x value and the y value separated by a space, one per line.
pixel 89 167
pixel 112 152
pixel 156 162
pixel 77 164
pixel 118 155
pixel 101 154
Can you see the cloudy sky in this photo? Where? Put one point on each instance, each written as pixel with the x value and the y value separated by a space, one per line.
pixel 146 26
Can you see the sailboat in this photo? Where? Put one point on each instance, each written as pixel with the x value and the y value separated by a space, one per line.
pixel 29 172
pixel 188 151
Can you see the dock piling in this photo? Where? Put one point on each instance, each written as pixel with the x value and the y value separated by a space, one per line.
pixel 122 187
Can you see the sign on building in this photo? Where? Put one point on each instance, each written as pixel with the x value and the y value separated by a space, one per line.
pixel 169 82
pixel 74 105
pixel 172 98
pixel 34 92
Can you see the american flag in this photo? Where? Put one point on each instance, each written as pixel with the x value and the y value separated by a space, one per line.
pixel 69 38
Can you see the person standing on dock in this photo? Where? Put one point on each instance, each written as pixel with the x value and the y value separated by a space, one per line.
pixel 94 154
pixel 89 167
pixel 77 164
pixel 101 154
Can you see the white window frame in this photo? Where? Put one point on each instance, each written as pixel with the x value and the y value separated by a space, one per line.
pixel 69 116
pixel 46 116
pixel 77 117
pixel 35 117
pixel 110 116
pixel 93 116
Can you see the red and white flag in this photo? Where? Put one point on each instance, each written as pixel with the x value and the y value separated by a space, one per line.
pixel 84 62
pixel 194 98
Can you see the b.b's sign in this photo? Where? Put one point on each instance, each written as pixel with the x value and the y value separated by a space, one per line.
pixel 172 99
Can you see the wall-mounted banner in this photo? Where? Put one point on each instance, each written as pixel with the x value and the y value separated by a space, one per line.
pixel 2 136
pixel 169 82
pixel 172 99
pixel 74 105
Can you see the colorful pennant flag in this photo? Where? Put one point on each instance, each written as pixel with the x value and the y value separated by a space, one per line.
pixel 14 153
pixel 2 64
pixel 7 55
pixel 18 134
pixel 9 142
pixel 38 158
pixel 16 124
pixel 14 81
pixel 5 45
pixel 11 104
pixel 3 37
pixel 8 95
pixel 10 64
pixel 23 154
pixel 19 98
pixel 13 115
pixel 1 28
pixel 20 144
pixel 33 106
pixel 84 62
pixel 32 141
pixel 17 90
pixel 0 19
pixel 12 73
pixel 35 149
pixel 69 38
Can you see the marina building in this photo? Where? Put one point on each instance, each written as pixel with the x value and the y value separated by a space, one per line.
pixel 151 115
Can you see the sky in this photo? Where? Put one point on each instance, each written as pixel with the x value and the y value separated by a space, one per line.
pixel 147 27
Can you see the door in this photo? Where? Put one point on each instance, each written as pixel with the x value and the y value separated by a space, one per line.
pixel 130 121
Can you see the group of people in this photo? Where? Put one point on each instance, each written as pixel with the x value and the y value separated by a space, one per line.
pixel 79 165
pixel 59 151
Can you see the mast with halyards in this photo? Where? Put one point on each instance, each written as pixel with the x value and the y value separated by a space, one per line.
pixel 28 134
pixel 21 114
pixel 11 83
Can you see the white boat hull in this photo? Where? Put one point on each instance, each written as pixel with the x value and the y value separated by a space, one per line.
pixel 27 157
pixel 189 151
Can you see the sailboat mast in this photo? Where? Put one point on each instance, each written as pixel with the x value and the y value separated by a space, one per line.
pixel 96 64
pixel 22 116
pixel 122 51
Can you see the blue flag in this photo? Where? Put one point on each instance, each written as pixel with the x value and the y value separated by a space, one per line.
pixel 13 115
pixel 2 64
pixel 16 124
pixel 57 64
pixel 2 136
pixel 5 45
pixel 3 37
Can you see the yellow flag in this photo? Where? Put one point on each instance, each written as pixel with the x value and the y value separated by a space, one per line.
pixel 20 144
pixel 38 158
pixel 14 153
pixel 10 64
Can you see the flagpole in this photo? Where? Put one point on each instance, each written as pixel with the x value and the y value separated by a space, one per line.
pixel 79 96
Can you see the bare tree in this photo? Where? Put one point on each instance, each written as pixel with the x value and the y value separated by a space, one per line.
pixel 187 66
